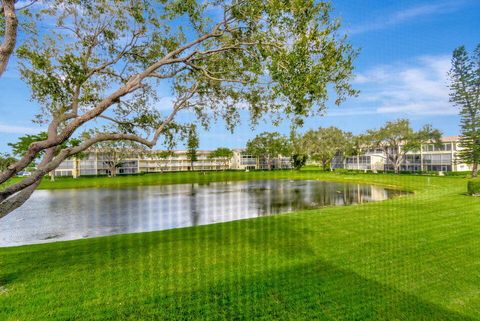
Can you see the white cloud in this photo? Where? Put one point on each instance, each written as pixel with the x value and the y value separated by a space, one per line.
pixel 416 88
pixel 415 12
pixel 8 129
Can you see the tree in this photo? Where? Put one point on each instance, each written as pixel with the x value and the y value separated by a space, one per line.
pixel 397 138
pixel 114 154
pixel 268 146
pixel 24 142
pixel 162 157
pixel 99 64
pixel 299 155
pixel 222 153
pixel 192 146
pixel 324 144
pixel 5 161
pixel 299 160
pixel 20 147
pixel 465 94
pixel 8 31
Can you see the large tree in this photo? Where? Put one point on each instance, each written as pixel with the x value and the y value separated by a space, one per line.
pixel 114 154
pixel 223 154
pixel 325 143
pixel 397 138
pixel 162 158
pixel 104 63
pixel 269 146
pixel 465 94
pixel 298 150
pixel 192 145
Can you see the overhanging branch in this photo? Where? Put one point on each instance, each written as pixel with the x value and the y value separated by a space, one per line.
pixel 10 38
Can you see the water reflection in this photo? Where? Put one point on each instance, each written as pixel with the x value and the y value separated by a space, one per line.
pixel 73 214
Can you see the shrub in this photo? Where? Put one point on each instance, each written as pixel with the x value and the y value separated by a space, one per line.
pixel 473 187
pixel 458 174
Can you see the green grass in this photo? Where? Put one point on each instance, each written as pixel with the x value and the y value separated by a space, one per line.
pixel 160 179
pixel 415 257
pixel 123 181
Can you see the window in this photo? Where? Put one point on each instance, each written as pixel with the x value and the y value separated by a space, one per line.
pixel 444 147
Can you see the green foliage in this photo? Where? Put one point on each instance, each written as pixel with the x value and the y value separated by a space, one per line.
pixel 164 154
pixel 465 94
pixel 5 161
pixel 21 146
pixel 397 138
pixel 222 153
pixel 299 160
pixel 269 145
pixel 473 187
pixel 192 145
pixel 278 58
pixel 325 143
pixel 298 150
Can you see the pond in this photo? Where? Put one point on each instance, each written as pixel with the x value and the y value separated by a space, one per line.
pixel 53 215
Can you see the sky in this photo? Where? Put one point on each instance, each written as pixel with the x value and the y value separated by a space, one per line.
pixel 401 72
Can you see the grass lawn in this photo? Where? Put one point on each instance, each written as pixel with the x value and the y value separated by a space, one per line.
pixel 415 257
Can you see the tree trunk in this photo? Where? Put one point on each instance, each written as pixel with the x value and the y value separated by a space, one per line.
pixel 113 171
pixel 10 36
pixel 17 200
pixel 475 170
pixel 397 168
pixel 324 165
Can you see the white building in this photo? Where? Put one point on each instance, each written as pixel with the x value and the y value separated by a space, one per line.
pixel 429 158
pixel 95 162
pixel 244 161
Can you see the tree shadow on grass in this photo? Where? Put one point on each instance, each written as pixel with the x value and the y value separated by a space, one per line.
pixel 313 291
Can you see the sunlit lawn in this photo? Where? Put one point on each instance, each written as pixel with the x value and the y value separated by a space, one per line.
pixel 416 257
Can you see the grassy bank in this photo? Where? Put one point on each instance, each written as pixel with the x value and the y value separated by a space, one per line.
pixel 124 181
pixel 410 258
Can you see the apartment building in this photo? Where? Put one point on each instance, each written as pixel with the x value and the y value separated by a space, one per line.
pixel 430 157
pixel 243 161
pixel 97 162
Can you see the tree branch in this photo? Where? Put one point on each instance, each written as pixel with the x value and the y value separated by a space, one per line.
pixel 10 38
pixel 51 163
pixel 130 86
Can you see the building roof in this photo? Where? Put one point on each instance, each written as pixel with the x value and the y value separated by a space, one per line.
pixel 450 139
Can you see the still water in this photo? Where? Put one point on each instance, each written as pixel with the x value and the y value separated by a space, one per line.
pixel 79 213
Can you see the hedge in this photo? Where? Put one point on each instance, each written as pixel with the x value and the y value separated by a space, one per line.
pixel 474 187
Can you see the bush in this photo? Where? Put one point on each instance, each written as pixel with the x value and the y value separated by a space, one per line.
pixel 458 174
pixel 473 187
pixel 342 171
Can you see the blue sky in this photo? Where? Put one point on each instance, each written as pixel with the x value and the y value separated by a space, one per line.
pixel 401 72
